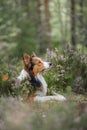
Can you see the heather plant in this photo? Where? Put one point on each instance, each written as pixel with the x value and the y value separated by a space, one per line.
pixel 16 115
pixel 5 85
pixel 68 73
pixel 8 71
pixel 69 70
pixel 9 84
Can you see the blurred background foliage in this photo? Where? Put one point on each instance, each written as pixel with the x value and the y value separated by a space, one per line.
pixel 29 25
pixel 56 30
pixel 34 26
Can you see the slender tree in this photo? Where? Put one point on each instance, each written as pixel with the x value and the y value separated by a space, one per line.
pixel 47 23
pixel 81 23
pixel 60 21
pixel 40 27
pixel 73 23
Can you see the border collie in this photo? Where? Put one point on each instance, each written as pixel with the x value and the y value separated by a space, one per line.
pixel 33 68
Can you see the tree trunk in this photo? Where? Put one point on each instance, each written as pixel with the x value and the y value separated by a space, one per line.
pixel 40 28
pixel 81 24
pixel 61 22
pixel 47 23
pixel 73 23
pixel 81 11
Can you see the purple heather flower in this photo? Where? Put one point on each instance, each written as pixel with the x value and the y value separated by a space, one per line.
pixel 77 119
pixel 48 52
pixel 56 50
pixel 62 57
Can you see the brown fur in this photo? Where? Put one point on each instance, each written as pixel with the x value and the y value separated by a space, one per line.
pixel 38 64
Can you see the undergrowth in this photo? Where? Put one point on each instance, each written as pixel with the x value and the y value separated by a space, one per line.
pixel 69 70
pixel 16 115
pixel 67 74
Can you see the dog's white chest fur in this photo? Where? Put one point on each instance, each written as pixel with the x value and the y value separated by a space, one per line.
pixel 44 85
pixel 23 75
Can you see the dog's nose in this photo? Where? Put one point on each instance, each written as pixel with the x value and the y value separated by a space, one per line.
pixel 50 63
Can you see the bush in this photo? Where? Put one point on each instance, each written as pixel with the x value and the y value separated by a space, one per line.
pixel 68 73
pixel 9 84
pixel 69 70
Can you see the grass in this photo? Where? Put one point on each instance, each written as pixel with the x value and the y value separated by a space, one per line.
pixel 69 115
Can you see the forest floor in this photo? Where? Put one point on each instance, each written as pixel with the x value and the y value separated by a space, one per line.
pixel 53 115
pixel 79 98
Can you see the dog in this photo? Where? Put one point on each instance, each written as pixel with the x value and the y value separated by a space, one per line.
pixel 34 68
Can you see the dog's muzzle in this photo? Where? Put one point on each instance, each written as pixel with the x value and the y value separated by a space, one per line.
pixel 47 65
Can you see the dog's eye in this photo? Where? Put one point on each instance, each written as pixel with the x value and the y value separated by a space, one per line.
pixel 39 62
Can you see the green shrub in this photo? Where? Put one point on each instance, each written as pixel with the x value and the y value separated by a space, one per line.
pixel 69 69
pixel 68 73
pixel 9 84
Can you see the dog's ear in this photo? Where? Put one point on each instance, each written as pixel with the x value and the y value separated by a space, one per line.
pixel 33 54
pixel 26 59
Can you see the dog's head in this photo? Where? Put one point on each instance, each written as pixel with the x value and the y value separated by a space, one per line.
pixel 35 64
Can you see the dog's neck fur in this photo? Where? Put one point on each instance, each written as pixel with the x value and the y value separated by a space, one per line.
pixel 24 74
pixel 43 85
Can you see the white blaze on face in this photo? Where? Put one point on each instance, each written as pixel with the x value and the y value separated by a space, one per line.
pixel 46 65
